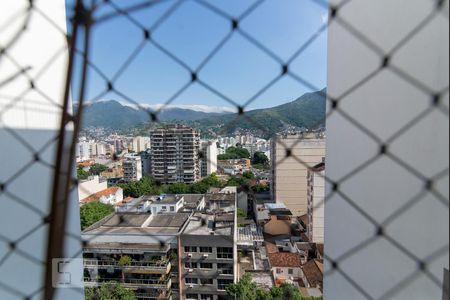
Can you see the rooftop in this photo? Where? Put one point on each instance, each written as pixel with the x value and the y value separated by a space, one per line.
pixel 284 259
pixel 96 196
pixel 168 220
pixel 313 270
pixel 207 224
pixel 263 279
pixel 163 199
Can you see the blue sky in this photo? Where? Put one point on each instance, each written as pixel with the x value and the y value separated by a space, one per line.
pixel 238 70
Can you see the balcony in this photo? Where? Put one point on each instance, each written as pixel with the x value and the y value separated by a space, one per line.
pixel 142 267
pixel 131 282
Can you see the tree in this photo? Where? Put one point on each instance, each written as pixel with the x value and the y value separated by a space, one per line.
pixel 248 175
pixel 96 169
pixel 244 289
pixel 109 291
pixel 234 153
pixel 124 260
pixel 260 158
pixel 240 213
pixel 286 291
pixel 93 212
pixel 82 174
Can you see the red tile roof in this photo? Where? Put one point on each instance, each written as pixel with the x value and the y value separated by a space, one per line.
pixel 284 259
pixel 271 248
pixel 313 271
pixel 97 196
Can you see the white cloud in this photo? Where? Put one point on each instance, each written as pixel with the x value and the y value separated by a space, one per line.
pixel 196 107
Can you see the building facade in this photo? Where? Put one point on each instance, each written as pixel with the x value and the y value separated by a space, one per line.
pixel 291 156
pixel 208 158
pixel 208 249
pixel 132 168
pixel 316 203
pixel 175 154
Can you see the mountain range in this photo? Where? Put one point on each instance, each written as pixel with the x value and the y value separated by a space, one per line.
pixel 307 111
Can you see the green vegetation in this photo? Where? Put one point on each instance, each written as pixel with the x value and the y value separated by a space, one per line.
pixel 240 213
pixel 109 291
pixel 248 175
pixel 95 169
pixel 259 158
pixel 82 174
pixel 234 152
pixel 246 289
pixel 92 212
pixel 147 185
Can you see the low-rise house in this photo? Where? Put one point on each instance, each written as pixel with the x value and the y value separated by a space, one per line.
pixel 90 186
pixel 111 195
pixel 313 273
pixel 285 265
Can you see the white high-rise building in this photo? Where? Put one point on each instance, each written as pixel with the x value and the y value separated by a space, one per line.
pixel 208 158
pixel 140 143
pixel 291 156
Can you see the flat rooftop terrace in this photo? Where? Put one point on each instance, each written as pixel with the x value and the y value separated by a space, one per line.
pixel 204 224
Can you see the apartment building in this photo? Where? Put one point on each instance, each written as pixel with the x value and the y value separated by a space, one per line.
pixel 132 168
pixel 137 250
pixel 175 154
pixel 139 143
pixel 208 158
pixel 291 156
pixel 316 203
pixel 208 249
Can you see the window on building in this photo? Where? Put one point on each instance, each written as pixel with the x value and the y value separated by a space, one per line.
pixel 190 249
pixel 279 271
pixel 206 265
pixel 225 268
pixel 290 271
pixel 222 283
pixel 163 207
pixel 190 265
pixel 206 297
pixel 191 296
pixel 189 280
pixel 225 252
pixel 172 208
pixel 206 249
pixel 206 281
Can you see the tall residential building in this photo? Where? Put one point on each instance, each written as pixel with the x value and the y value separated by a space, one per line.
pixel 316 198
pixel 291 156
pixel 146 159
pixel 208 248
pixel 132 168
pixel 140 143
pixel 175 154
pixel 139 250
pixel 208 158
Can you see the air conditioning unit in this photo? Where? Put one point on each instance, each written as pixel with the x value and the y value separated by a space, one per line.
pixel 191 270
pixel 190 286
pixel 219 271
pixel 205 255
pixel 189 255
